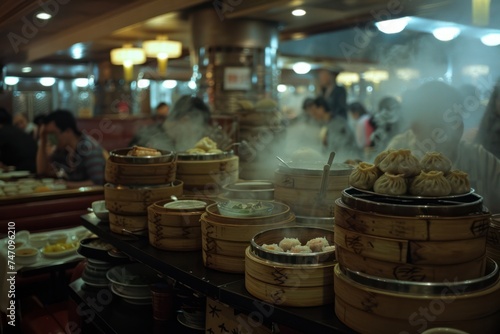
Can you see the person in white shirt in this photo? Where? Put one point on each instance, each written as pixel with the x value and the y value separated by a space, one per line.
pixel 435 112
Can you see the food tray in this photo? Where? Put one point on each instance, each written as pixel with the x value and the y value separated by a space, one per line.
pixel 414 206
pixel 274 236
pixel 120 156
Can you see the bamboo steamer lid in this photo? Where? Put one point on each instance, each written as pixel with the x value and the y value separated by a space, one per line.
pixel 448 303
pixel 422 227
pixel 132 174
pixel 140 193
pixel 280 212
pixel 411 272
pixel 203 167
pixel 410 251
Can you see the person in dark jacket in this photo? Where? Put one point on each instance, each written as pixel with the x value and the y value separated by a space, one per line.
pixel 17 148
pixel 335 95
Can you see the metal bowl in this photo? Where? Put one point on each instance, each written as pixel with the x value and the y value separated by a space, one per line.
pixel 120 156
pixel 426 288
pixel 184 156
pixel 274 236
pixel 419 206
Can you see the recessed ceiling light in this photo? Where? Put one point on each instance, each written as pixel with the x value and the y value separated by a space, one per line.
pixel 492 39
pixel 392 26
pixel 43 16
pixel 26 69
pixel 446 34
pixel 298 12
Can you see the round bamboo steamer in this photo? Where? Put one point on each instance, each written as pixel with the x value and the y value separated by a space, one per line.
pixel 183 232
pixel 228 264
pixel 174 244
pixel 289 275
pixel 366 323
pixel 217 180
pixel 410 251
pixel 396 312
pixel 238 231
pixel 207 167
pixel 304 196
pixel 318 209
pixel 159 215
pixel 321 222
pixel 411 272
pixel 132 174
pixel 425 228
pixel 127 208
pixel 280 212
pixel 295 295
pixel 130 223
pixel 145 194
pixel 223 247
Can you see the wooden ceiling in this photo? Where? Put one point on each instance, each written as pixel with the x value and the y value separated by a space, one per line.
pixel 97 26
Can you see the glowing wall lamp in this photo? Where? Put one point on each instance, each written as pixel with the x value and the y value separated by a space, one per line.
pixel 128 56
pixel 162 49
pixel 348 78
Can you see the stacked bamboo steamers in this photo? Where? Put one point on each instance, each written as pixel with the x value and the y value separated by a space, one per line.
pixel 409 263
pixel 136 182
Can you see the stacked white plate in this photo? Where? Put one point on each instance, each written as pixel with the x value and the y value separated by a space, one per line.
pixel 95 272
pixel 132 282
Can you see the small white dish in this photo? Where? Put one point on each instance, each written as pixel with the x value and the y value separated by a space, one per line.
pixel 99 208
pixel 26 255
pixel 39 240
pixel 57 238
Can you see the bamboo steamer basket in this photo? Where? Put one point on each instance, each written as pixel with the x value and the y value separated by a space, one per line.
pixel 411 272
pixel 299 187
pixel 251 189
pixel 368 304
pixel 410 251
pixel 224 239
pixel 133 174
pixel 302 280
pixel 321 222
pixel 493 242
pixel 127 224
pixel 200 170
pixel 140 193
pixel 175 229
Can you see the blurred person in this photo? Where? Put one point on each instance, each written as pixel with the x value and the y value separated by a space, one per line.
pixel 335 133
pixel 488 133
pixel 17 148
pixel 386 123
pixel 21 120
pixel 38 121
pixel 359 123
pixel 65 152
pixel 436 124
pixel 159 116
pixel 335 95
pixel 161 111
pixel 473 111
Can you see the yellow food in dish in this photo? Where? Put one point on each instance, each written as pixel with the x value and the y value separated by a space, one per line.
pixel 60 247
pixel 204 146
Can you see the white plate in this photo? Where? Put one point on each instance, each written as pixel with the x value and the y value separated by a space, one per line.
pixel 182 319
pixel 132 300
pixel 59 254
pixel 133 274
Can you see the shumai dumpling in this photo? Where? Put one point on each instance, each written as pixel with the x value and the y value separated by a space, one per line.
pixel 431 183
pixel 206 144
pixel 459 182
pixel 435 161
pixel 215 151
pixel 390 184
pixel 400 162
pixel 364 176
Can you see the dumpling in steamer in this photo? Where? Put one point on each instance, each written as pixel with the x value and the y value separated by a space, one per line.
pixel 206 144
pixel 381 156
pixel 317 244
pixel 400 162
pixel 390 184
pixel 432 183
pixel 459 182
pixel 435 161
pixel 287 243
pixel 364 176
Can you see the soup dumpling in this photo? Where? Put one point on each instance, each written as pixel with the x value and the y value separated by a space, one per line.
pixel 400 162
pixel 432 183
pixel 435 161
pixel 459 182
pixel 364 176
pixel 390 184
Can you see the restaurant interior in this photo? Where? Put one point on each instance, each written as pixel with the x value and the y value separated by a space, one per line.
pixel 201 238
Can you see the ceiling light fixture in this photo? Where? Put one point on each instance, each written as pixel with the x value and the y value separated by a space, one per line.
pixel 43 16
pixel 301 67
pixel 481 12
pixel 81 82
pixel 162 49
pixel 26 69
pixel 11 81
pixel 169 84
pixel 298 12
pixel 348 78
pixel 47 81
pixel 128 56
pixel 446 34
pixel 393 26
pixel 492 39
